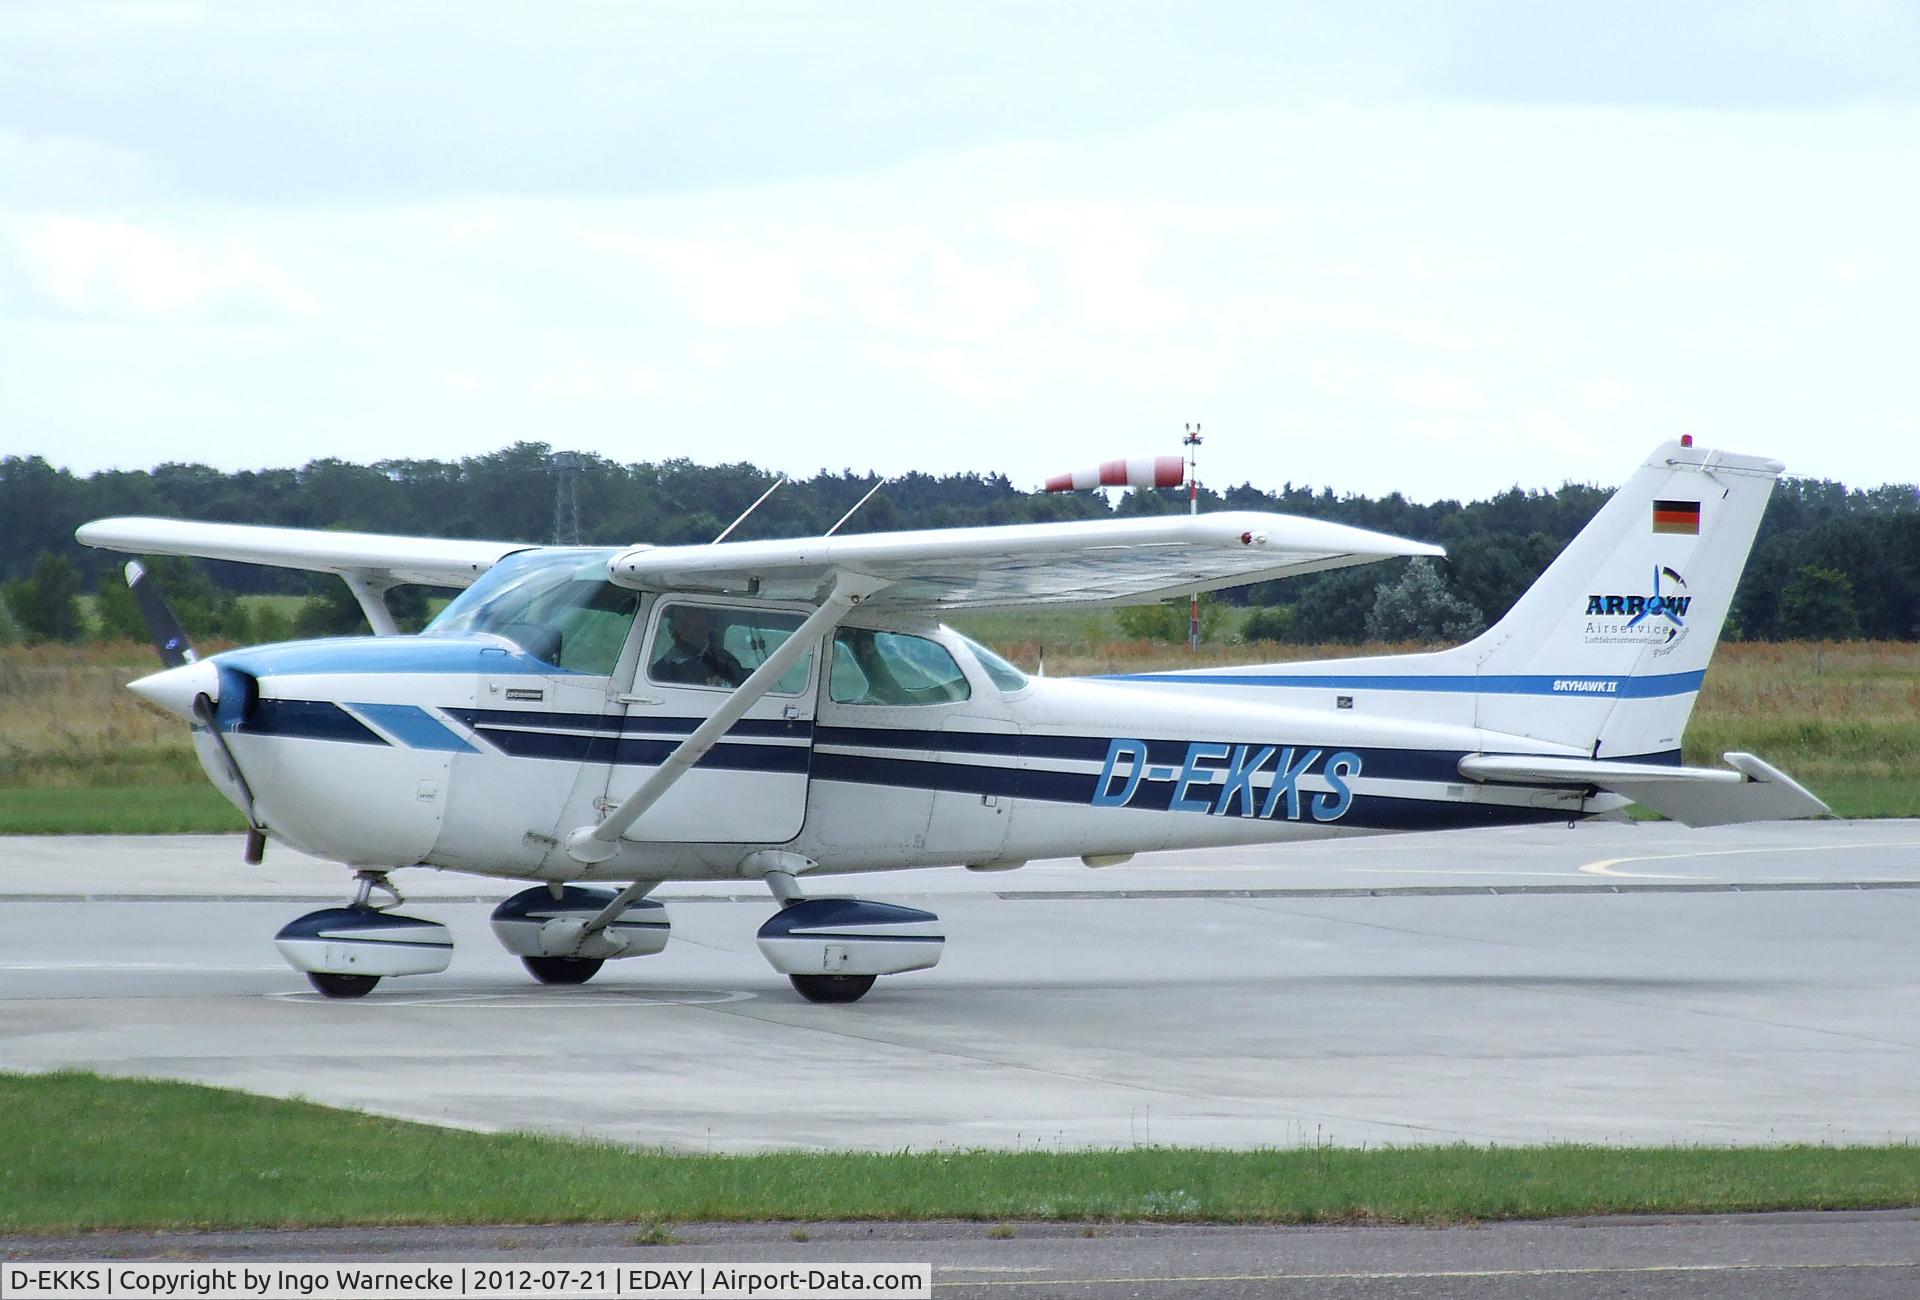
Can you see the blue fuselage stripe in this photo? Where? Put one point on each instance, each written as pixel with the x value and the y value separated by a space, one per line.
pixel 413 726
pixel 1565 686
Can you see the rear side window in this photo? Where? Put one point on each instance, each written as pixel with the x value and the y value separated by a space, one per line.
pixel 1004 675
pixel 893 668
pixel 701 645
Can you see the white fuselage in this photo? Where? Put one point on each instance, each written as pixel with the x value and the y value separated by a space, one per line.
pixel 470 754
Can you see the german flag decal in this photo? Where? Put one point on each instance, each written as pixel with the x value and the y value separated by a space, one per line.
pixel 1676 517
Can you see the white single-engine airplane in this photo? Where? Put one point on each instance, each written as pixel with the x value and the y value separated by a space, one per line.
pixel 788 710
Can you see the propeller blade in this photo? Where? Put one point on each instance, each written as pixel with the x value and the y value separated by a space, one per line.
pixel 169 638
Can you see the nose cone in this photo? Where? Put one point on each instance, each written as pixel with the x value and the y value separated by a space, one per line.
pixel 175 689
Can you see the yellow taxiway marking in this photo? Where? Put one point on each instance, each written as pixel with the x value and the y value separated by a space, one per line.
pixel 1605 866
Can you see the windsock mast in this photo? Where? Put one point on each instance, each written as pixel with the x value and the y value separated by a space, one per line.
pixel 1148 472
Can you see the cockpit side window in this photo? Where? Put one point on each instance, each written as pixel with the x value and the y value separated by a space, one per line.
pixel 706 645
pixel 872 667
pixel 556 605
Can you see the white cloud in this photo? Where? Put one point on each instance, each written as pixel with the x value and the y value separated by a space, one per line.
pixel 1440 393
pixel 1442 301
pixel 732 285
pixel 1109 248
pixel 93 267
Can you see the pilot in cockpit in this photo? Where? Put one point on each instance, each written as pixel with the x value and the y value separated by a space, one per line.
pixel 691 657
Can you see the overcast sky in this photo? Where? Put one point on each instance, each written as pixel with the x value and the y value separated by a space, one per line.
pixel 1435 248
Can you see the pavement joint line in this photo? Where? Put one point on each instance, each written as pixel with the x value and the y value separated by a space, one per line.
pixel 1096 895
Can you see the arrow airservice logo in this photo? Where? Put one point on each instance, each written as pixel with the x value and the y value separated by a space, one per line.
pixel 1659 616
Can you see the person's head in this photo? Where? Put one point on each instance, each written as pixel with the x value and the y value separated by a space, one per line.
pixel 687 625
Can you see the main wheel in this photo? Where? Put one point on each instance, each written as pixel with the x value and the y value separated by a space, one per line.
pixel 832 988
pixel 342 986
pixel 562 970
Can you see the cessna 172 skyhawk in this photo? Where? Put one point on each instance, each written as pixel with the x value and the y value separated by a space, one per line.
pixel 785 711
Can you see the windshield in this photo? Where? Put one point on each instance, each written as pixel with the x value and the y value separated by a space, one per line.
pixel 557 605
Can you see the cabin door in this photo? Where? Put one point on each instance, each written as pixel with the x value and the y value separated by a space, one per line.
pixel 751 787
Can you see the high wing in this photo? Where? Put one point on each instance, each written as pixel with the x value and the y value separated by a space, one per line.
pixel 1095 562
pixel 372 557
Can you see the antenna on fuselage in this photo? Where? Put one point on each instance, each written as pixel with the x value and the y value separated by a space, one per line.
pixel 856 508
pixel 724 532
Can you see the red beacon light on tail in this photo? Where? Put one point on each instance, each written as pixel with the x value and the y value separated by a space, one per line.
pixel 1134 472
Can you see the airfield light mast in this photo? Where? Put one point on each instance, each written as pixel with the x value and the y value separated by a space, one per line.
pixel 566 466
pixel 1192 442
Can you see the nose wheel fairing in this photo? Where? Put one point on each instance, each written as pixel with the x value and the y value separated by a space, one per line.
pixel 359 941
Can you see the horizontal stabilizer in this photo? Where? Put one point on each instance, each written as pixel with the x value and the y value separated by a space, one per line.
pixel 1754 791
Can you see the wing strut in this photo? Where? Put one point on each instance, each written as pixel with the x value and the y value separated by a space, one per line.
pixel 373 603
pixel 598 843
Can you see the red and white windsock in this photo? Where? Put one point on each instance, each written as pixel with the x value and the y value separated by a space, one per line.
pixel 1134 471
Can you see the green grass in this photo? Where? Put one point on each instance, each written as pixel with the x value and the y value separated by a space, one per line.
pixel 1867 796
pixel 78 1151
pixel 1056 628
pixel 117 810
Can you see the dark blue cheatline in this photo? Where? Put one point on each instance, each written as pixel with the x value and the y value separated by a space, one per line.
pixel 307 720
pixel 1369 811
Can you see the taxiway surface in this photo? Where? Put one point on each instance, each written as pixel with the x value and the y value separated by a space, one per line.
pixel 1629 984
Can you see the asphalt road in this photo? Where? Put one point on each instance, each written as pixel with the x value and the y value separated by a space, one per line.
pixel 1735 1257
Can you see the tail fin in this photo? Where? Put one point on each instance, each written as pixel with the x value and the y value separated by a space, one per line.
pixel 1613 640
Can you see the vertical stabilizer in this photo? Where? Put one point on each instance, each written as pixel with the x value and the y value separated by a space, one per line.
pixel 1607 650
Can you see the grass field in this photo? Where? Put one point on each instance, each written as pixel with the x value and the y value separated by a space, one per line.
pixel 79 753
pixel 78 1151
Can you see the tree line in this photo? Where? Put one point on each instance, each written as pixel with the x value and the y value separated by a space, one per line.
pixel 1831 562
